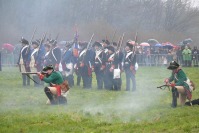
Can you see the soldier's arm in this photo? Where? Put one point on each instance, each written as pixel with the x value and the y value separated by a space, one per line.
pixel 50 78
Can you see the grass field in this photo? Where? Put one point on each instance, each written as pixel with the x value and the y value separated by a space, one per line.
pixel 146 110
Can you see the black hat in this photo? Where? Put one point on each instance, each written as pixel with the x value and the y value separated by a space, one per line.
pixel 129 44
pixel 53 42
pixel 24 41
pixel 83 43
pixel 111 48
pixel 47 45
pixel 35 42
pixel 49 67
pixel 114 44
pixel 173 65
pixel 97 44
pixel 106 41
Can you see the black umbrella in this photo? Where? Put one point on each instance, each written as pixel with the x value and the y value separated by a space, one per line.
pixel 187 41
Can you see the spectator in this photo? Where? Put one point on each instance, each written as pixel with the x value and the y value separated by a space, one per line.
pixel 187 56
pixel 195 55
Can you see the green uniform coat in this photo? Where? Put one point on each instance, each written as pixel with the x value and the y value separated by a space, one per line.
pixel 55 78
pixel 179 78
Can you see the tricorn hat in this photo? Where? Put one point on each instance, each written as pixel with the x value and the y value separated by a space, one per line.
pixel 83 43
pixel 97 44
pixel 129 44
pixel 53 42
pixel 35 42
pixel 49 67
pixel 111 48
pixel 106 41
pixel 173 65
pixel 24 41
pixel 114 44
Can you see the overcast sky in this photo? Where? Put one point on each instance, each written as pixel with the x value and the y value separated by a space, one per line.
pixel 195 2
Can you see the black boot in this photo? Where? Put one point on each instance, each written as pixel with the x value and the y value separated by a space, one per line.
pixel 174 97
pixel 50 96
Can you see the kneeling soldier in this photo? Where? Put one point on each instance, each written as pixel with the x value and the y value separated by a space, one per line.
pixel 181 86
pixel 56 93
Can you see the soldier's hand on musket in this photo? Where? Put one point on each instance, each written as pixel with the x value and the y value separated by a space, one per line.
pixel 41 76
pixel 38 73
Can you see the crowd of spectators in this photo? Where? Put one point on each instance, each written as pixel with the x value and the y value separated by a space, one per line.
pixel 158 56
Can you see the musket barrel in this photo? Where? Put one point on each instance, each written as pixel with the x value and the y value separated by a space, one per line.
pixel 29 73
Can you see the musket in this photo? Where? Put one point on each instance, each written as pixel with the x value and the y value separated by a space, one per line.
pixel 28 75
pixel 57 37
pixel 43 38
pixel 134 49
pixel 118 43
pixel 90 41
pixel 121 42
pixel 163 87
pixel 76 35
pixel 114 35
pixel 41 43
pixel 28 49
pixel 25 73
pixel 49 37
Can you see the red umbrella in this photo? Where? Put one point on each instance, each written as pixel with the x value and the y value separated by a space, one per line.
pixel 8 47
pixel 144 44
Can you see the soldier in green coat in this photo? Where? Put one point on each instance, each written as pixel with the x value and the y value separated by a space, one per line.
pixel 56 92
pixel 178 82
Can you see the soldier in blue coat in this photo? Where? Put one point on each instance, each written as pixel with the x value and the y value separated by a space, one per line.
pixel 68 64
pixel 117 63
pixel 99 64
pixel 55 54
pixel 129 66
pixel 47 60
pixel 108 76
pixel 24 60
pixel 85 64
pixel 36 62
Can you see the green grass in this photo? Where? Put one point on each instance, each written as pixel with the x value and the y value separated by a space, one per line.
pixel 146 110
